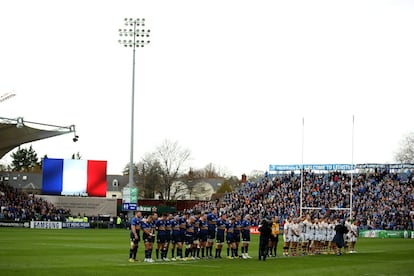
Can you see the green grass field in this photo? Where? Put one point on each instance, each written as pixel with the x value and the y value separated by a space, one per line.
pixel 105 252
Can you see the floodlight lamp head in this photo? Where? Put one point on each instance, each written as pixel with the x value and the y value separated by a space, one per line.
pixel 75 138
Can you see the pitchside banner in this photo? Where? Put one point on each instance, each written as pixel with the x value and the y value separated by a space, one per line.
pixel 338 167
pixel 46 224
pixel 74 177
pixel 387 234
pixel 317 167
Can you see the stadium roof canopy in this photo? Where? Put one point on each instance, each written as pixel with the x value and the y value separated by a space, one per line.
pixel 15 132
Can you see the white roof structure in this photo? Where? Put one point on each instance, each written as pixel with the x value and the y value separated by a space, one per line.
pixel 15 132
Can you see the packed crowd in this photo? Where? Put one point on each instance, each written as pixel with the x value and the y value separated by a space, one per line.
pixel 20 206
pixel 381 200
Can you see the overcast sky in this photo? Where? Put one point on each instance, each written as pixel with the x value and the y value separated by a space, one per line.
pixel 229 80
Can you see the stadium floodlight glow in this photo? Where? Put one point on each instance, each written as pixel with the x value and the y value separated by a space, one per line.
pixel 133 35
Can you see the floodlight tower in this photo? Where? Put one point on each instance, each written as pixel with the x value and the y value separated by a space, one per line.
pixel 133 36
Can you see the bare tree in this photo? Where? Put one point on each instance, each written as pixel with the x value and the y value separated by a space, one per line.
pixel 172 159
pixel 209 171
pixel 150 171
pixel 405 154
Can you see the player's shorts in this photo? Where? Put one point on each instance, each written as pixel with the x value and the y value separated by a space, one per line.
pixel 287 238
pixel 182 236
pixel 236 237
pixel 246 239
pixel 295 238
pixel 220 239
pixel 303 237
pixel 176 238
pixel 189 239
pixel 135 241
pixel 211 234
pixel 230 239
pixel 133 238
pixel 202 237
pixel 246 236
pixel 162 239
pixel 149 239
pixel 346 237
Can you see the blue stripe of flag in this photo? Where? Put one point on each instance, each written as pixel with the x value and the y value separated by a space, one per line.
pixel 52 176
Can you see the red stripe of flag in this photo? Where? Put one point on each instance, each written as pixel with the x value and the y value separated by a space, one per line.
pixel 96 182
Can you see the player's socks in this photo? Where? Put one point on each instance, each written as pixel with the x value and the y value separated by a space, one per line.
pixel 233 252
pixel 134 254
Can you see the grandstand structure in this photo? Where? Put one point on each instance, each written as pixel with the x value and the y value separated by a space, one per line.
pixel 325 169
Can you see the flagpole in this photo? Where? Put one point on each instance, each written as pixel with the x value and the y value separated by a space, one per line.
pixel 301 171
pixel 352 164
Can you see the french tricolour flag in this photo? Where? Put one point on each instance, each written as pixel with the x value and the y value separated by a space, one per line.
pixel 74 177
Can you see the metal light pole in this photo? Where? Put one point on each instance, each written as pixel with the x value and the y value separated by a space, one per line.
pixel 133 36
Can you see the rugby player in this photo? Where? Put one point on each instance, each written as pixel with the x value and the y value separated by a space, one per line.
pixel 306 226
pixel 353 236
pixel 236 234
pixel 231 245
pixel 221 228
pixel 176 240
pixel 211 222
pixel 160 226
pixel 286 236
pixel 202 234
pixel 295 236
pixel 135 236
pixel 189 239
pixel 246 224
pixel 148 228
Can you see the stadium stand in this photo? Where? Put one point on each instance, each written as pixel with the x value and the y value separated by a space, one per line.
pixel 20 206
pixel 381 199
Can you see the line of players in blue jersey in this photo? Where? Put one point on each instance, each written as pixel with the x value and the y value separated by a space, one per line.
pixel 189 236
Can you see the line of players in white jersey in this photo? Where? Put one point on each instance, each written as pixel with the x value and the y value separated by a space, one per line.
pixel 306 236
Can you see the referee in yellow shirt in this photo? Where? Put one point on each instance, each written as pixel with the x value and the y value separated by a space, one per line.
pixel 274 237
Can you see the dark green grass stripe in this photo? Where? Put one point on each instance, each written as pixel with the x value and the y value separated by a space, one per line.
pixel 105 252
